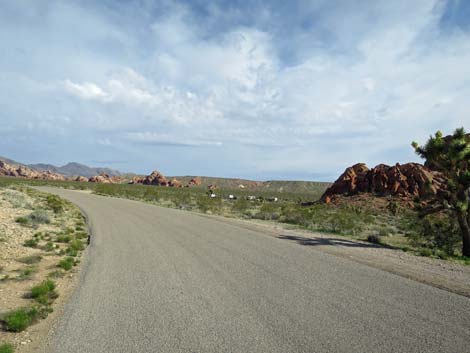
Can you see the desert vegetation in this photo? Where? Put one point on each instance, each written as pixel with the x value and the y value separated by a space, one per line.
pixel 33 252
pixel 387 220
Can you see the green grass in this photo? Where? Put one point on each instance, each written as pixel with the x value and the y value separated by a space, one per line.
pixel 27 273
pixel 6 348
pixel 31 243
pixel 45 292
pixel 66 264
pixel 18 320
pixel 22 220
pixel 63 238
pixel 55 203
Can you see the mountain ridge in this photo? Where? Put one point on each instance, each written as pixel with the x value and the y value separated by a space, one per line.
pixel 70 169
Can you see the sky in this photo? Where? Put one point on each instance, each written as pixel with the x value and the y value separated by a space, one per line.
pixel 253 89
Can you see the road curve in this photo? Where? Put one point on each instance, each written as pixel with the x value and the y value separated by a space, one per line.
pixel 163 280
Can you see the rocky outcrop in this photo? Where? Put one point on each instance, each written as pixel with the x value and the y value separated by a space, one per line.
pixel 81 179
pixel 156 178
pixel 175 183
pixel 104 179
pixel 194 182
pixel 25 172
pixel 407 181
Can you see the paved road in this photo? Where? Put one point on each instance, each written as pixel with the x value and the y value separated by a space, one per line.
pixel 162 280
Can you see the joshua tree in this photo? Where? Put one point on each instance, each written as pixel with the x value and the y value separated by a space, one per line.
pixel 450 155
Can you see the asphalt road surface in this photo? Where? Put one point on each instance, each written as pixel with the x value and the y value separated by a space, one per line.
pixel 163 280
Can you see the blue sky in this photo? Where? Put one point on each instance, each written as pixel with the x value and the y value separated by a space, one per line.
pixel 255 89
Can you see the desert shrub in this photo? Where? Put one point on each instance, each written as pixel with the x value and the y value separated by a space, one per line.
pixel 76 245
pixel 71 252
pixel 63 238
pixel 393 207
pixel 22 220
pixel 31 243
pixel 18 320
pixel 268 211
pixel 6 348
pixel 66 263
pixel 425 252
pixel 202 203
pixel 241 205
pixel 49 246
pixel 17 199
pixel 39 217
pixel 441 233
pixel 30 260
pixel 55 203
pixel 81 235
pixel 374 238
pixel 27 273
pixel 45 292
pixel 36 217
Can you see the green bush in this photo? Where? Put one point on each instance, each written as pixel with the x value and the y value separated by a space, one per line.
pixel 27 273
pixel 77 245
pixel 39 217
pixel 36 217
pixel 19 320
pixel 22 220
pixel 66 263
pixel 49 246
pixel 55 203
pixel 45 292
pixel 31 243
pixel 6 348
pixel 63 238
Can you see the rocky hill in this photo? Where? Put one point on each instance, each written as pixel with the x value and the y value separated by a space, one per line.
pixel 405 181
pixel 69 170
pixel 21 171
pixel 75 169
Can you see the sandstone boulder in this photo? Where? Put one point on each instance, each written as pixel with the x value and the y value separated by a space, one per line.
pixel 104 179
pixel 195 181
pixel 406 181
pixel 21 171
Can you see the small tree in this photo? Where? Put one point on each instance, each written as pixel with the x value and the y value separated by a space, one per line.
pixel 450 155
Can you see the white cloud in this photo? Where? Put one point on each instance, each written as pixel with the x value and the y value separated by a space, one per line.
pixel 359 84
pixel 86 90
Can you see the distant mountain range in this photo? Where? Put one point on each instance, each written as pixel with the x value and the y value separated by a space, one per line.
pixel 68 170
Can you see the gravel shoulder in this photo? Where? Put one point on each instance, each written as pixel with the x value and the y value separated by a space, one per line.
pixel 29 254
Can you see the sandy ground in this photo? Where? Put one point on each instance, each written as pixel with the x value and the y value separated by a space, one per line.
pixel 442 274
pixel 14 285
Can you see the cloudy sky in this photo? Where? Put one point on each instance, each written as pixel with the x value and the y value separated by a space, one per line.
pixel 258 89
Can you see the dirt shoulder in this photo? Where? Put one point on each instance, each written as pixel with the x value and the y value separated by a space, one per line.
pixel 442 274
pixel 36 234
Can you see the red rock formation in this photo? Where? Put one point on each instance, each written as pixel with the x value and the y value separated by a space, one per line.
pixel 156 178
pixel 25 172
pixel 175 183
pixel 81 179
pixel 195 182
pixel 104 179
pixel 407 180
